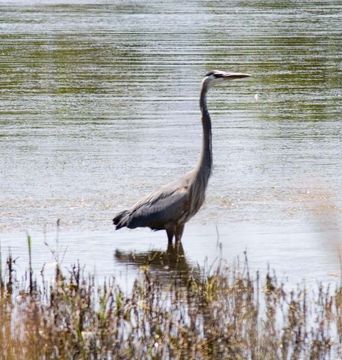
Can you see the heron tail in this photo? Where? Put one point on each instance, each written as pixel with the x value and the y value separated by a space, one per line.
pixel 121 219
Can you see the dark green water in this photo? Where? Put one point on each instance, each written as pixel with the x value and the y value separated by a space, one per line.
pixel 99 106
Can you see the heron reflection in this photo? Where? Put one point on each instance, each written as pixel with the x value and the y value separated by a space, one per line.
pixel 171 263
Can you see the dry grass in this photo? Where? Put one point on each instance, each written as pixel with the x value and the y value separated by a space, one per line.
pixel 223 314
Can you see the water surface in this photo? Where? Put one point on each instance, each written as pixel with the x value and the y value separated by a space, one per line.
pixel 99 106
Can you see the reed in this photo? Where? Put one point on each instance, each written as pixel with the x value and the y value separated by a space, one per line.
pixel 223 313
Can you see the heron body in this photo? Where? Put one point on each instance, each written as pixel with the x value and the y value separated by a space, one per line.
pixel 170 207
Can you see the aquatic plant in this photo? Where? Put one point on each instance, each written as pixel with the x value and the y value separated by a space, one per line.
pixel 223 313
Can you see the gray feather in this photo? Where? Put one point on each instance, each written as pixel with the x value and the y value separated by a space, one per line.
pixel 164 206
pixel 159 213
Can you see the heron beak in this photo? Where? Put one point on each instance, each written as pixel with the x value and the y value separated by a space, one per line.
pixel 232 76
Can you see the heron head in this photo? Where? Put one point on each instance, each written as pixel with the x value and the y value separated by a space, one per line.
pixel 217 76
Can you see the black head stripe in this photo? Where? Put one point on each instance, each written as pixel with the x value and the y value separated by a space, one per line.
pixel 216 75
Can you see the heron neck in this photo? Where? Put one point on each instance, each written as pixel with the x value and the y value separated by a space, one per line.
pixel 205 162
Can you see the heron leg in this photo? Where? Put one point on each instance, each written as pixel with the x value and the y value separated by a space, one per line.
pixel 179 233
pixel 170 234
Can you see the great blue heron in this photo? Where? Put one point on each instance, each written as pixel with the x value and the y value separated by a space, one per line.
pixel 170 207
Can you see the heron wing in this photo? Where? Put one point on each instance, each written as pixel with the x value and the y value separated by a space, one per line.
pixel 162 207
pixel 159 209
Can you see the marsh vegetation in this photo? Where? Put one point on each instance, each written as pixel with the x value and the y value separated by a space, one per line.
pixel 222 311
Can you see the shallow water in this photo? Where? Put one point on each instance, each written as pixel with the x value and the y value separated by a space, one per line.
pixel 99 106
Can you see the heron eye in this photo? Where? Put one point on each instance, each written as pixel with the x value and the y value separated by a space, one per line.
pixel 217 76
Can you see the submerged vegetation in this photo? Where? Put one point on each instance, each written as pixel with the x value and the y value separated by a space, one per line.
pixel 222 313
